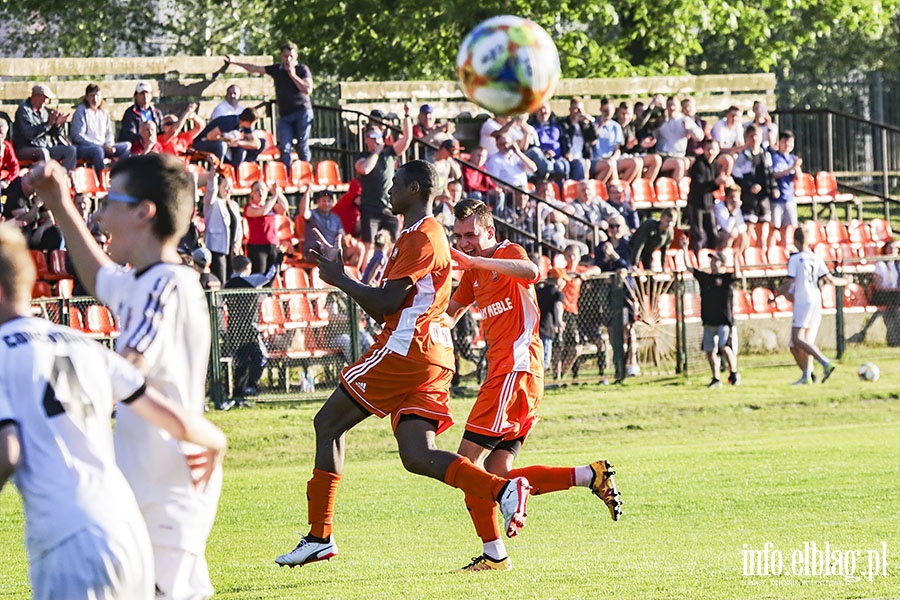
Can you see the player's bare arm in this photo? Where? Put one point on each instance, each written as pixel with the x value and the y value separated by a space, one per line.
pixel 185 427
pixel 513 267
pixel 51 183
pixel 376 301
pixel 10 451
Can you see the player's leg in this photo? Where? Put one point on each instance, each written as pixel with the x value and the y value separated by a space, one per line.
pixel 339 414
pixel 728 351
pixel 415 440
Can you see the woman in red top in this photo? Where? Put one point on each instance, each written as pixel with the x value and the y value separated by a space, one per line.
pixel 262 226
pixel 9 164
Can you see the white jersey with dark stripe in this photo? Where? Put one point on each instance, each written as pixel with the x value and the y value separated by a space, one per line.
pixel 163 315
pixel 58 387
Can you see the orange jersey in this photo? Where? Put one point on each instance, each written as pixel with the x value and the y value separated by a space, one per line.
pixel 509 315
pixel 418 330
pixel 177 144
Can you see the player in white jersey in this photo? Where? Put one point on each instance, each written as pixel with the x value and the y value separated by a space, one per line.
pixel 84 532
pixel 805 269
pixel 164 329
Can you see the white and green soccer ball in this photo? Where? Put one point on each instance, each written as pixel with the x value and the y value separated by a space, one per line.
pixel 869 372
pixel 508 65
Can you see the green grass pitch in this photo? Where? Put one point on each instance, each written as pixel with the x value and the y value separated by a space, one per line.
pixel 705 476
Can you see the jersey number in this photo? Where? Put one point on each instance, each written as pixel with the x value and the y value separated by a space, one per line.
pixel 64 394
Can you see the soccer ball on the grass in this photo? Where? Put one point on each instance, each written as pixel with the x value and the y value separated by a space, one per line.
pixel 869 372
pixel 508 65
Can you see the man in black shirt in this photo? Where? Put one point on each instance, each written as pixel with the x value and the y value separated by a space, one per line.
pixel 717 316
pixel 293 85
pixel 550 302
pixel 706 179
pixel 653 235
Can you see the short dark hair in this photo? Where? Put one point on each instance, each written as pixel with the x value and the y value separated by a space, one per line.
pixel 248 115
pixel 425 175
pixel 289 46
pixel 239 263
pixel 163 180
pixel 786 134
pixel 90 89
pixel 668 212
pixel 469 206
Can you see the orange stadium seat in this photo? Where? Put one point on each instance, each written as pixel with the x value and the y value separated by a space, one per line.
pixel 328 175
pixel 642 193
pixel 86 182
pixel 270 152
pixel 762 300
pixel 667 192
pixel 302 174
pixel 274 171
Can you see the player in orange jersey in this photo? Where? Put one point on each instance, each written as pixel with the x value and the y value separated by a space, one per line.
pixel 500 278
pixel 406 373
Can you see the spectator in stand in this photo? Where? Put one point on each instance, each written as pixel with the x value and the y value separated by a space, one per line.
pixel 646 121
pixel 607 150
pixel 231 105
pixel 22 205
pixel 672 139
pixel 551 303
pixel 202 258
pixel 293 86
pixel 510 166
pixel 753 173
pixel 321 221
pixel 262 231
pixel 148 142
pixel 9 164
pixel 646 165
pixel 516 130
pixel 768 130
pixel 552 146
pixel 568 345
pixel 445 203
pixel 375 169
pixel 177 142
pixel 611 257
pixel 347 208
pixel 729 133
pixel 581 132
pixel 730 224
pixel 786 166
pixel 446 163
pixel 887 272
pixel 232 138
pixel 427 129
pixel 223 233
pixel 476 184
pixel 37 132
pixel 689 109
pixel 653 235
pixel 375 269
pixel 706 179
pixel 620 199
pixel 588 206
pixel 92 131
pixel 46 235
pixel 139 112
pixel 718 318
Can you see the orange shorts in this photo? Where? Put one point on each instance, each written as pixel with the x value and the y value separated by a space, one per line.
pixel 506 406
pixel 387 383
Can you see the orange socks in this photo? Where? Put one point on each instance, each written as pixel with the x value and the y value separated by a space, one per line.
pixel 320 494
pixel 546 479
pixel 484 517
pixel 462 474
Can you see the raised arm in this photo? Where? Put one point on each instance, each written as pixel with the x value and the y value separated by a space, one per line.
pixel 405 139
pixel 51 183
pixel 513 267
pixel 245 66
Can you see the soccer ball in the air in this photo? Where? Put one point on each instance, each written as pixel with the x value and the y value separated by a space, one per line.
pixel 508 65
pixel 869 372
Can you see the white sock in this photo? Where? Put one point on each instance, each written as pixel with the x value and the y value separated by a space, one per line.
pixel 584 476
pixel 495 550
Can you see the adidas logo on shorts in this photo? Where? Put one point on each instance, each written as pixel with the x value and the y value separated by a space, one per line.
pixel 360 384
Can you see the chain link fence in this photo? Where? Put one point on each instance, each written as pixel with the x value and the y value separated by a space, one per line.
pixel 275 344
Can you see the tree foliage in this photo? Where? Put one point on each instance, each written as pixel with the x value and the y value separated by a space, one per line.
pixel 811 44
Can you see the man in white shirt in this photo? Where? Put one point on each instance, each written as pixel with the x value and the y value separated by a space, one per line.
pixel 231 105
pixel 672 138
pixel 805 269
pixel 164 329
pixel 84 532
pixel 509 165
pixel 730 224
pixel 729 132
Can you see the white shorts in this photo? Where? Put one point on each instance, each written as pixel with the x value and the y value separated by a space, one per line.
pixel 716 337
pixel 784 214
pixel 92 565
pixel 181 575
pixel 809 317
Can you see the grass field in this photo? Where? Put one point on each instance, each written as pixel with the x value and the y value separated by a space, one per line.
pixel 704 476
